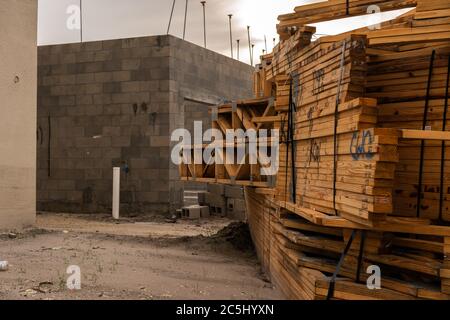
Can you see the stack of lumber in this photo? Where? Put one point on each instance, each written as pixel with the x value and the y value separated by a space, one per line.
pixel 334 9
pixel 364 154
pixel 399 82
pixel 301 256
pixel 364 160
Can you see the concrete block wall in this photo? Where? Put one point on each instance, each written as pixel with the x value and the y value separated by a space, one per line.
pixel 202 78
pixel 115 103
pixel 18 74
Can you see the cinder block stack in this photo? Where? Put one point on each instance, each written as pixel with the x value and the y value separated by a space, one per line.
pixel 225 200
pixel 194 197
pixel 235 202
pixel 195 212
pixel 194 205
pixel 215 199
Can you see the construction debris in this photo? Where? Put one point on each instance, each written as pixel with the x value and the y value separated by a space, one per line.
pixel 363 182
pixel 4 265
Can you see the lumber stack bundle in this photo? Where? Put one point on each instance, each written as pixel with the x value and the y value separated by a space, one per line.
pixel 364 157
pixel 405 76
pixel 301 256
pixel 400 83
pixel 334 9
pixel 365 160
pixel 364 154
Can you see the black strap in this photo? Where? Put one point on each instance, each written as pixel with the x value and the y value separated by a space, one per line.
pixel 49 147
pixel 336 119
pixel 424 125
pixel 339 265
pixel 360 256
pixel 287 141
pixel 444 128
pixel 347 7
pixel 291 138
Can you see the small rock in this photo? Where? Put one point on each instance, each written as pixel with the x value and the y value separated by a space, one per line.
pixel 4 265
pixel 28 292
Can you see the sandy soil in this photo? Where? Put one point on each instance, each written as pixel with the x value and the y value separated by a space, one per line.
pixel 130 260
pixel 151 226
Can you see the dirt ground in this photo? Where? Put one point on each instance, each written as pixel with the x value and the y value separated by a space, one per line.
pixel 133 259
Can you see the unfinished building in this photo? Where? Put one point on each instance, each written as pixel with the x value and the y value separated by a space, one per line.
pixel 115 103
pixel 18 65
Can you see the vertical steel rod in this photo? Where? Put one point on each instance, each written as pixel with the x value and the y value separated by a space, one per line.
pixel 81 20
pixel 171 16
pixel 249 45
pixel 185 19
pixel 231 35
pixel 204 22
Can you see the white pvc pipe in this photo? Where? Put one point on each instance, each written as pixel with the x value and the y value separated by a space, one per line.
pixel 116 193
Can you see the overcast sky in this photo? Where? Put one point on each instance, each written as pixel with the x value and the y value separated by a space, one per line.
pixel 112 19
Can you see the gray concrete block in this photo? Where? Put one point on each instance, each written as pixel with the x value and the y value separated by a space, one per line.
pixel 85 56
pixel 66 185
pixel 85 78
pixel 121 98
pixel 149 86
pixel 76 110
pixel 121 76
pixel 94 110
pixel 110 153
pixel 111 44
pixel 91 67
pixel 113 65
pixel 111 87
pixel 66 100
pixel 92 46
pixel 130 43
pixel 102 56
pixel 101 99
pixel 194 212
pixel 216 189
pixel 215 200
pixel 101 77
pixel 147 196
pixel 111 131
pixel 138 163
pixel 94 88
pixel 132 86
pixel 121 141
pixel 236 192
pixel 131 64
pixel 112 109
pixel 121 120
pixel 84 100
pixel 159 141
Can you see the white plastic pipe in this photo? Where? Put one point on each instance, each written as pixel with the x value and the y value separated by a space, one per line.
pixel 116 194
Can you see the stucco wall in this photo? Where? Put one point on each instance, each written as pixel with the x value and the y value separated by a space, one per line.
pixel 18 68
